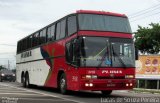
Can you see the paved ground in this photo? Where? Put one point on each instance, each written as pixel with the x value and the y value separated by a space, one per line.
pixel 15 93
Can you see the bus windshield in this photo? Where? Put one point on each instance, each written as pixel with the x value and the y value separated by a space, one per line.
pixel 106 52
pixel 104 23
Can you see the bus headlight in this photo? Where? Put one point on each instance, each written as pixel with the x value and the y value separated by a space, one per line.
pixel 94 76
pixel 13 75
pixel 129 76
pixel 89 77
pixel 2 74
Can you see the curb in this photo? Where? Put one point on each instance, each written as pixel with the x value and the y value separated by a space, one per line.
pixel 146 90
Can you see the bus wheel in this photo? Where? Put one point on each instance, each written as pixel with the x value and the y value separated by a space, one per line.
pixel 106 92
pixel 63 84
pixel 23 81
pixel 1 80
pixel 27 84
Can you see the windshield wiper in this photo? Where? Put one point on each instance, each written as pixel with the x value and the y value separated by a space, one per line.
pixel 120 59
pixel 103 57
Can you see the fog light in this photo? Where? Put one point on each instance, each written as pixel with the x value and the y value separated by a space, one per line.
pixel 127 84
pixel 91 85
pixel 131 84
pixel 86 84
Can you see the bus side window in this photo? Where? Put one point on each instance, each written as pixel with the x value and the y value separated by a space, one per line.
pixel 71 52
pixel 68 52
pixel 49 34
pixel 30 41
pixel 24 44
pixel 72 25
pixel 61 29
pixel 42 36
pixel 52 36
pixel 27 42
pixel 58 30
pixel 18 47
pixel 37 39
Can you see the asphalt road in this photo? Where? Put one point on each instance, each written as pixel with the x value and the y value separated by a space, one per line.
pixel 15 93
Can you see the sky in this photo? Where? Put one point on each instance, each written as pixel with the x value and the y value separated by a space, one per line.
pixel 19 18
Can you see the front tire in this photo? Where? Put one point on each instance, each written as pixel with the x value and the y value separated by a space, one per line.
pixel 106 92
pixel 63 84
pixel 1 79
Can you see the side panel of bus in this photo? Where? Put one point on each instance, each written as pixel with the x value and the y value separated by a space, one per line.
pixel 34 64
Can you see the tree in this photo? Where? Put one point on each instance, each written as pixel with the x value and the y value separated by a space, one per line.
pixel 147 39
pixel 1 67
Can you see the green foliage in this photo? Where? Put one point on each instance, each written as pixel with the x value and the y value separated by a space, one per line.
pixel 1 67
pixel 147 40
pixel 14 70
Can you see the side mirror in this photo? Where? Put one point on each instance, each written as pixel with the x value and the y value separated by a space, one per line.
pixel 136 54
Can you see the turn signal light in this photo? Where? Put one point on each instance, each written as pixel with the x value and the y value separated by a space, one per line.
pixel 129 76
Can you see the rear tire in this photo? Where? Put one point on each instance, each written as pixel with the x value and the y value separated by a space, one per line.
pixel 23 81
pixel 106 92
pixel 63 84
pixel 27 84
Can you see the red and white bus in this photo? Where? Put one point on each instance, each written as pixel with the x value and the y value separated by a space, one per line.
pixel 86 50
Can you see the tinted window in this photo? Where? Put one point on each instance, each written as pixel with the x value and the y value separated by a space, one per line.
pixel 24 44
pixel 36 39
pixel 18 47
pixel 52 36
pixel 42 36
pixel 30 42
pixel 58 30
pixel 103 23
pixel 71 52
pixel 72 25
pixel 49 34
pixel 68 52
pixel 63 29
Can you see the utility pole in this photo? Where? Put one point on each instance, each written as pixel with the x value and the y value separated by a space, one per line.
pixel 8 65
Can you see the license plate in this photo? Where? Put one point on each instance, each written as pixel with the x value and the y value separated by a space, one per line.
pixel 8 77
pixel 111 85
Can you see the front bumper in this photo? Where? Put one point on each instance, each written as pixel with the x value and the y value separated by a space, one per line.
pixel 107 84
pixel 8 78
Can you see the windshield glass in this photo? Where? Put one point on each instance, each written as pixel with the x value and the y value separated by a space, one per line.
pixel 103 23
pixel 94 51
pixel 106 52
pixel 122 53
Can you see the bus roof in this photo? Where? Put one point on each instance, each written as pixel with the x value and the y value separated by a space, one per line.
pixel 99 12
pixel 82 12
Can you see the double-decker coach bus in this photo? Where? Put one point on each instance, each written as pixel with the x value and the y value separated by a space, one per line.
pixel 86 50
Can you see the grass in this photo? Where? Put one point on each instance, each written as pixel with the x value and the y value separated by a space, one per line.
pixel 147 90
